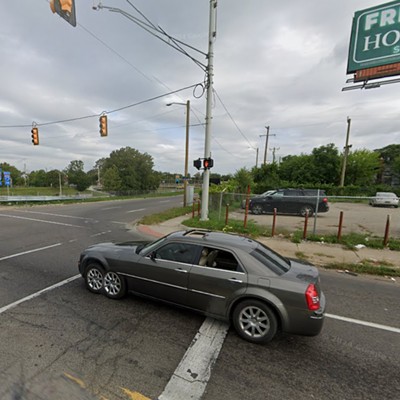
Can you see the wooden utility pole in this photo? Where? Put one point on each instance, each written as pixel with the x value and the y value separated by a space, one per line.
pixel 346 153
pixel 266 144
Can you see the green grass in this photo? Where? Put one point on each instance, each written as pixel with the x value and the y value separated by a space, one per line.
pixel 350 240
pixel 380 268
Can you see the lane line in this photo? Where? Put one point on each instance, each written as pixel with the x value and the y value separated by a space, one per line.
pixel 190 378
pixel 139 209
pixel 40 220
pixel 364 323
pixel 55 215
pixel 30 251
pixel 32 296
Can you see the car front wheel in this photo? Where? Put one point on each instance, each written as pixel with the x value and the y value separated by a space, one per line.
pixel 306 210
pixel 257 209
pixel 255 322
pixel 114 285
pixel 94 277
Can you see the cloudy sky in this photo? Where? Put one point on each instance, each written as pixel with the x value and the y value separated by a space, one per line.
pixel 277 63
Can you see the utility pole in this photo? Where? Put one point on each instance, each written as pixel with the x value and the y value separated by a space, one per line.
pixel 274 149
pixel 185 182
pixel 346 153
pixel 266 144
pixel 257 157
pixel 210 76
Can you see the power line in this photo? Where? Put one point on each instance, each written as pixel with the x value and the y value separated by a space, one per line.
pixel 234 122
pixel 107 112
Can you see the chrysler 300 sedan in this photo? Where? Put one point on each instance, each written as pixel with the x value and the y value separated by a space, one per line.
pixel 225 276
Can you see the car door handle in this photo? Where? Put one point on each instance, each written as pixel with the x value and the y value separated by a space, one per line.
pixel 181 270
pixel 234 280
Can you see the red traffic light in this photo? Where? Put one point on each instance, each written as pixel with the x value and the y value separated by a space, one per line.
pixel 208 163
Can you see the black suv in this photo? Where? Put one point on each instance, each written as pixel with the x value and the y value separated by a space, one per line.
pixel 291 201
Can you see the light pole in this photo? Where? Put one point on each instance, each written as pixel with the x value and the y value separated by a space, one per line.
pixel 186 173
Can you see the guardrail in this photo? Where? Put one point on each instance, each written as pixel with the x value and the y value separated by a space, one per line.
pixel 28 199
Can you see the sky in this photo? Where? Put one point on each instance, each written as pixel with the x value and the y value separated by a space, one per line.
pixel 280 64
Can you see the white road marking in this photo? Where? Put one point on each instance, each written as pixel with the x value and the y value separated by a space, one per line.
pixel 54 215
pixel 32 296
pixel 139 209
pixel 190 378
pixel 40 220
pixel 165 201
pixel 110 208
pixel 30 251
pixel 100 233
pixel 365 323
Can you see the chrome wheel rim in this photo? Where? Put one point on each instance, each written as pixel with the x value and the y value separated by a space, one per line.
pixel 254 322
pixel 94 279
pixel 112 283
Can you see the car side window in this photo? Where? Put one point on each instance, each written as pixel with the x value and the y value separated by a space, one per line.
pixel 179 252
pixel 219 259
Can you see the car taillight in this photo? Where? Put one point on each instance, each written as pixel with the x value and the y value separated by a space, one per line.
pixel 325 200
pixel 312 297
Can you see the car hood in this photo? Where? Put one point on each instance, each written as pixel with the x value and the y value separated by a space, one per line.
pixel 116 246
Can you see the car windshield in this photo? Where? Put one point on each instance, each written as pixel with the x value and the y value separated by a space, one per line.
pixel 271 259
pixel 149 247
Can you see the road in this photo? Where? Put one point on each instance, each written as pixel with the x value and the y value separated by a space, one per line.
pixel 55 342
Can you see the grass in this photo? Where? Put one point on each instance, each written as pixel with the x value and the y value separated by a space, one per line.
pixel 380 268
pixel 350 240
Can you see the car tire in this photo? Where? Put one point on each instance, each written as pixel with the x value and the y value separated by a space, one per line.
pixel 114 285
pixel 94 277
pixel 257 209
pixel 306 210
pixel 254 321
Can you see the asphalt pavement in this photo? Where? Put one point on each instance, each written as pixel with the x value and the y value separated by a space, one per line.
pixel 318 253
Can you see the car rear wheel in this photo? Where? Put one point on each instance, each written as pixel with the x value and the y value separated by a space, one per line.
pixel 255 322
pixel 114 285
pixel 306 210
pixel 94 277
pixel 257 209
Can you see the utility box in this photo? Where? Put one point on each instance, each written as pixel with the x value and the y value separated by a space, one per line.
pixel 189 195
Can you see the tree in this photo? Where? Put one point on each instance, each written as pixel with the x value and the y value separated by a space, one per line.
pixel 362 167
pixel 297 169
pixel 326 162
pixel 242 179
pixel 111 179
pixel 38 178
pixel 134 169
pixel 77 176
pixel 16 175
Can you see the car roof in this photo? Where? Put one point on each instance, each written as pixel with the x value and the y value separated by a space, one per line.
pixel 205 237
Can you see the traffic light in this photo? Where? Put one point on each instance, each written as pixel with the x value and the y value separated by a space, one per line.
pixel 103 125
pixel 65 9
pixel 208 163
pixel 197 163
pixel 35 136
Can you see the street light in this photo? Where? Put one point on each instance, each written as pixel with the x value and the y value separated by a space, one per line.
pixel 186 173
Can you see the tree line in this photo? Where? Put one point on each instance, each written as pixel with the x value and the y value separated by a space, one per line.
pixel 127 170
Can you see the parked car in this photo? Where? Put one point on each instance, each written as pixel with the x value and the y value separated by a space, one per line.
pixel 291 201
pixel 384 199
pixel 225 276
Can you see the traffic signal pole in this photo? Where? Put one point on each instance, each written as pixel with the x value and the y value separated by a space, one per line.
pixel 210 76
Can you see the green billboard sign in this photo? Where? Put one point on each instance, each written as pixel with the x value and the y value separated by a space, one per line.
pixel 375 37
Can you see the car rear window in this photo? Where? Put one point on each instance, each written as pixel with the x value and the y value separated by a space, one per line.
pixel 274 261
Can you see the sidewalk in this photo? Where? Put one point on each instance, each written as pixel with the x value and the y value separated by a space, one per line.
pixel 319 254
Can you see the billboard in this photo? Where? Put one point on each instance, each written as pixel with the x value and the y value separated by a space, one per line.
pixel 375 37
